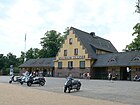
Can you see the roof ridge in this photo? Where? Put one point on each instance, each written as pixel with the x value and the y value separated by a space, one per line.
pixel 80 30
pixel 89 33
pixel 119 52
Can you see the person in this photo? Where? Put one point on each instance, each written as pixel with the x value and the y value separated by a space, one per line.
pixel 136 77
pixel 88 75
pixel 85 75
pixel 110 76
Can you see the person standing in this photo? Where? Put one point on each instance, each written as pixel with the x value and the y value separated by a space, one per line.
pixel 110 76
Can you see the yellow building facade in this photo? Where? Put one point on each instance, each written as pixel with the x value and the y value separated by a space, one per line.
pixel 73 56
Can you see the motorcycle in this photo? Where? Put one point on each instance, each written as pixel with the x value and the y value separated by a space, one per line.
pixel 36 80
pixel 13 79
pixel 71 84
pixel 24 79
pixel 136 78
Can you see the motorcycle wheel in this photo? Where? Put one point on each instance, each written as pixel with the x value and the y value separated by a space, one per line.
pixel 21 83
pixel 69 90
pixel 10 82
pixel 78 88
pixel 65 89
pixel 29 83
pixel 42 83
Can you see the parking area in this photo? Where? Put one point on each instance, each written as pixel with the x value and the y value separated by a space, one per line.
pixel 117 91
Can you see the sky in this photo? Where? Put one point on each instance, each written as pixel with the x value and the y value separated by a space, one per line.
pixel 110 19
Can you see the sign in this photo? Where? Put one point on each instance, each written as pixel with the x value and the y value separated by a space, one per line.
pixel 72 57
pixel 11 70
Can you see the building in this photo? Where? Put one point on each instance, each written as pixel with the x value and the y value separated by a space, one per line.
pixel 44 65
pixel 125 64
pixel 78 53
pixel 85 54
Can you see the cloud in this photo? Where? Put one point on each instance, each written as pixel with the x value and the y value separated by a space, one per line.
pixel 110 19
pixel 119 39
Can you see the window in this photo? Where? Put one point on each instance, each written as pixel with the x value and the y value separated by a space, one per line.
pixel 137 69
pixel 113 59
pixel 70 41
pixel 82 64
pixel 59 65
pixel 136 59
pixel 76 51
pixel 65 52
pixel 70 64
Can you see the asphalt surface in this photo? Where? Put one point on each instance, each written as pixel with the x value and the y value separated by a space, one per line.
pixel 127 92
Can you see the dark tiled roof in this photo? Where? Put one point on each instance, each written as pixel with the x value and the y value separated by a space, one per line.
pixel 91 42
pixel 42 62
pixel 118 59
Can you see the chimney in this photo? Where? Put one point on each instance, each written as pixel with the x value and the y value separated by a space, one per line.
pixel 92 34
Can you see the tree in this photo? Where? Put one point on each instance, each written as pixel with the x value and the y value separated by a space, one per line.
pixel 11 60
pixel 21 58
pixel 51 43
pixel 135 45
pixel 66 32
pixel 6 61
pixel 137 6
pixel 32 53
pixel 2 61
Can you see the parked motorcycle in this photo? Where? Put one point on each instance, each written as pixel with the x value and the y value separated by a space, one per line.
pixel 14 79
pixel 71 84
pixel 24 79
pixel 136 78
pixel 36 80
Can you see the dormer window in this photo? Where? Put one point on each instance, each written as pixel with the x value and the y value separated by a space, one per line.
pixel 70 41
pixel 136 59
pixel 112 59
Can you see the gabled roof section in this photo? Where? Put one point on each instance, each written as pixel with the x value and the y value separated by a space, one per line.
pixel 41 62
pixel 121 59
pixel 92 42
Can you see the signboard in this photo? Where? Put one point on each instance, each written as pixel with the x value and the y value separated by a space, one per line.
pixel 11 70
pixel 71 57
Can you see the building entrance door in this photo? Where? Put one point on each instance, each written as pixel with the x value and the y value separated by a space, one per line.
pixel 100 73
pixel 123 73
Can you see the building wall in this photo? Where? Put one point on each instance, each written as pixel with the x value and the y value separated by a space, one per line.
pixel 115 71
pixel 101 51
pixel 81 56
pixel 76 72
pixel 135 71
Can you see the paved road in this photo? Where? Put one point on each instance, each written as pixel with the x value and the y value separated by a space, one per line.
pixel 119 91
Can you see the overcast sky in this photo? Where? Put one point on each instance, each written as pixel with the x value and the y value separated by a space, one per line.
pixel 109 19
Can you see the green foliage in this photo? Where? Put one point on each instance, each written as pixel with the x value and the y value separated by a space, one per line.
pixel 6 61
pixel 5 71
pixel 21 58
pixel 136 29
pixel 135 45
pixel 51 43
pixel 137 6
pixel 2 61
pixel 11 59
pixel 16 70
pixel 32 53
pixel 66 32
